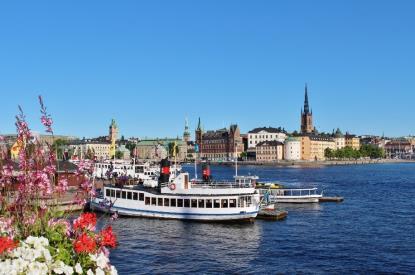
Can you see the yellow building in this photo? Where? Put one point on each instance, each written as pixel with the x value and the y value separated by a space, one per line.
pixel 313 147
pixel 352 141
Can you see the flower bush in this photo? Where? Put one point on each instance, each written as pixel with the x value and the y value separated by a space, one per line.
pixel 36 237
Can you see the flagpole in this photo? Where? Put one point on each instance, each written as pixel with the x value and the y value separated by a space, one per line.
pixel 195 165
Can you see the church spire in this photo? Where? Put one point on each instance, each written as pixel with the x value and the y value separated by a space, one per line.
pixel 306 106
pixel 199 126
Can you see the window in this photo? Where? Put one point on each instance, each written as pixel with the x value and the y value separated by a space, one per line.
pixel 123 194
pixel 129 196
pixel 160 201
pixel 113 193
pixel 108 192
pixel 241 201
pixel 208 203
pixel 186 203
pixel 179 202
pixel 147 202
pixel 216 203
pixel 135 196
pixel 173 202
pixel 166 202
pixel 194 203
pixel 248 201
pixel 224 203
pixel 232 203
pixel 118 194
pixel 153 201
pixel 201 204
pixel 141 196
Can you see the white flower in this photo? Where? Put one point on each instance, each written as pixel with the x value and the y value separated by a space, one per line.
pixel 59 267
pixel 68 270
pixel 102 261
pixel 99 271
pixel 89 272
pixel 78 268
pixel 36 268
pixel 113 270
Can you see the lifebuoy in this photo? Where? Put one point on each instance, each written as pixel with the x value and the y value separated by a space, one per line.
pixel 172 187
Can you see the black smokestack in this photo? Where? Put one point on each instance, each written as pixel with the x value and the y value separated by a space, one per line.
pixel 164 171
pixel 206 172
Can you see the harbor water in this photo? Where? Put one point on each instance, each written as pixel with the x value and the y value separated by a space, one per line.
pixel 372 231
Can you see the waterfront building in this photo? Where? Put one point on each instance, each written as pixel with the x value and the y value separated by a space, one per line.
pixel 112 137
pixel 306 116
pixel 269 151
pixel 261 134
pixel 222 144
pixel 400 148
pixel 339 139
pixel 126 154
pixel 352 141
pixel 98 148
pixel 186 133
pixel 292 149
pixel 313 147
pixel 158 148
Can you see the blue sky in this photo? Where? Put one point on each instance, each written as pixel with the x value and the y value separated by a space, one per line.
pixel 150 64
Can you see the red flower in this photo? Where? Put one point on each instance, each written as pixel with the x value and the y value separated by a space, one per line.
pixel 108 237
pixel 85 243
pixel 85 221
pixel 7 244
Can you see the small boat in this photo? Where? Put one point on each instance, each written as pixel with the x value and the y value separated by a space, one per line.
pixel 293 195
pixel 178 197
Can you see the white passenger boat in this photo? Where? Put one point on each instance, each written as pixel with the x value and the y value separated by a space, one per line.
pixel 294 195
pixel 180 198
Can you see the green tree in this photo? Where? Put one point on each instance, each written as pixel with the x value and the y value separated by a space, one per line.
pixel 131 146
pixel 328 153
pixel 119 155
pixel 173 149
pixel 58 147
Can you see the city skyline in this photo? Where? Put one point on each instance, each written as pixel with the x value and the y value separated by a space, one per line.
pixel 151 65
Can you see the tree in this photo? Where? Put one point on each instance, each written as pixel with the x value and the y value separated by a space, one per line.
pixel 173 149
pixel 131 146
pixel 58 147
pixel 90 154
pixel 119 155
pixel 328 153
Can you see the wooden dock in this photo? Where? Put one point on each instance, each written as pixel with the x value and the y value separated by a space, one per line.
pixel 273 215
pixel 331 199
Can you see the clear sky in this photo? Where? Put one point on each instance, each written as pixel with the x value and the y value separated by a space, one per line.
pixel 150 64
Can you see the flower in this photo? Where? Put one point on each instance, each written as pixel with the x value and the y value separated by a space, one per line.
pixel 108 238
pixel 7 244
pixel 85 243
pixel 78 268
pixel 86 221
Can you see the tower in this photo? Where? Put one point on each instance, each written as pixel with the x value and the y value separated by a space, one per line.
pixel 198 134
pixel 186 134
pixel 306 116
pixel 113 134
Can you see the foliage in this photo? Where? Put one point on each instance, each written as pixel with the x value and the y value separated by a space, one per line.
pixel 173 149
pixel 119 155
pixel 365 151
pixel 35 236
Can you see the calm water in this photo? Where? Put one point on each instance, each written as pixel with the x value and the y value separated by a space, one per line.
pixel 372 231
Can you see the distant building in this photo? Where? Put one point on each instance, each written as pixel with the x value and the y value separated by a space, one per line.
pixel 186 133
pixel 269 151
pixel 222 144
pixel 352 141
pixel 90 148
pixel 112 137
pixel 313 147
pixel 259 135
pixel 157 149
pixel 306 116
pixel 292 149
pixel 339 139
pixel 400 148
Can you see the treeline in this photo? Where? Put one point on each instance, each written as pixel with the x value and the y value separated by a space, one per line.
pixel 365 151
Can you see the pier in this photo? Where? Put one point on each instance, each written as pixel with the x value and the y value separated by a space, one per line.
pixel 272 215
pixel 331 199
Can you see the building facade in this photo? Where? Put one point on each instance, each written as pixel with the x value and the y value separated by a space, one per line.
pixel 292 149
pixel 220 145
pixel 157 149
pixel 259 135
pixel 269 151
pixel 306 116
pixel 339 139
pixel 90 149
pixel 313 147
pixel 352 141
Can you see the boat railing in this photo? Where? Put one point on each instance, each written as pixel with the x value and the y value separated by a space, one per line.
pixel 292 192
pixel 221 184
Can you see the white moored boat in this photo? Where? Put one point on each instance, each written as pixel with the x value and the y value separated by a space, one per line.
pixel 294 195
pixel 179 198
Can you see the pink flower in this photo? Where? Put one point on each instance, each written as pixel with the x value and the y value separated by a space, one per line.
pixel 62 186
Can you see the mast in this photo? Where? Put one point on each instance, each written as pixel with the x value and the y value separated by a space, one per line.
pixel 236 159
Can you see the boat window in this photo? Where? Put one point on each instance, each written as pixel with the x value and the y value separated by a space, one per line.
pixel 216 203
pixel 153 201
pixel 141 196
pixel 186 203
pixel 173 202
pixel 113 193
pixel 194 203
pixel 123 194
pixel 118 194
pixel 129 196
pixel 135 196
pixel 248 201
pixel 108 192
pixel 160 201
pixel 224 203
pixel 166 202
pixel 241 201
pixel 147 202
pixel 232 203
pixel 179 202
pixel 201 204
pixel 208 203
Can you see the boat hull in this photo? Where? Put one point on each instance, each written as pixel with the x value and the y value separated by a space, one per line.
pixel 184 215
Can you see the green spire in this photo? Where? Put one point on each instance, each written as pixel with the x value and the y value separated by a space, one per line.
pixel 199 126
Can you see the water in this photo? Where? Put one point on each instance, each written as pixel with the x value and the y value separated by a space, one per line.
pixel 372 231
